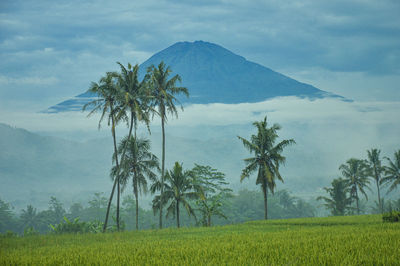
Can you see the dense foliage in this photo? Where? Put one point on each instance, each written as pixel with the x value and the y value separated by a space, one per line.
pixel 236 208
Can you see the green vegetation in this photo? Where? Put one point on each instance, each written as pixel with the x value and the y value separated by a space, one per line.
pixel 267 158
pixel 162 92
pixel 356 173
pixel 339 201
pixel 351 240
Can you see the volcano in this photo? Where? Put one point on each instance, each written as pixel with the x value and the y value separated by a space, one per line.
pixel 214 74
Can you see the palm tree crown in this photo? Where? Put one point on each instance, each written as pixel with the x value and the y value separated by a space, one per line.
pixel 392 171
pixel 375 169
pixel 354 171
pixel 179 188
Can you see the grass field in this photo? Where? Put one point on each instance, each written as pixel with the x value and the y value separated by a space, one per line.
pixel 351 240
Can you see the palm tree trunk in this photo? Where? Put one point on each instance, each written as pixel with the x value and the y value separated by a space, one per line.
pixel 116 180
pixel 265 192
pixel 162 167
pixel 177 213
pixel 116 160
pixel 379 197
pixel 358 208
pixel 137 209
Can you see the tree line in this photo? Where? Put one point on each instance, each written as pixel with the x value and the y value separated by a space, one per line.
pixel 243 206
pixel 357 175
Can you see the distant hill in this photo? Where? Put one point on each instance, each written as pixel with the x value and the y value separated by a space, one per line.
pixel 35 167
pixel 214 74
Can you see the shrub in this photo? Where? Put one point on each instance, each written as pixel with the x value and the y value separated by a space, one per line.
pixel 392 217
pixel 30 231
pixel 76 227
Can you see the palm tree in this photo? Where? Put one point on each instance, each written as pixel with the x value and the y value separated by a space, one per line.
pixel 267 158
pixel 338 202
pixel 392 172
pixel 29 217
pixel 162 92
pixel 107 93
pixel 178 189
pixel 139 164
pixel 354 171
pixel 133 100
pixel 375 170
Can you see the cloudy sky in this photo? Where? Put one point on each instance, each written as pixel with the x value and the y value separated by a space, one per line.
pixel 51 50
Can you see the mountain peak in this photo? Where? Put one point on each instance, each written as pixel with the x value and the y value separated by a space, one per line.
pixel 213 74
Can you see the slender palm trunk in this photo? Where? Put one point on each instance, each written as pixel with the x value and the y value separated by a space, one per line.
pixel 358 207
pixel 116 179
pixel 265 192
pixel 116 160
pixel 162 167
pixel 177 213
pixel 137 206
pixel 379 196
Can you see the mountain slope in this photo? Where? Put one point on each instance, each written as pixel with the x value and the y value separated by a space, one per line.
pixel 214 74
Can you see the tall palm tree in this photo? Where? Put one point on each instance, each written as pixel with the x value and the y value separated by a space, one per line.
pixel 392 172
pixel 163 91
pixel 375 170
pixel 107 92
pixel 139 164
pixel 267 158
pixel 133 101
pixel 339 200
pixel 178 189
pixel 354 171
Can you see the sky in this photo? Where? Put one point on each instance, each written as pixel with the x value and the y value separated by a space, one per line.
pixel 52 50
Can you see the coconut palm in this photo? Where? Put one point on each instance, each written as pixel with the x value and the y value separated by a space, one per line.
pixel 392 171
pixel 178 189
pixel 267 158
pixel 354 171
pixel 375 169
pixel 339 201
pixel 139 164
pixel 107 92
pixel 134 99
pixel 29 217
pixel 162 92
pixel 133 102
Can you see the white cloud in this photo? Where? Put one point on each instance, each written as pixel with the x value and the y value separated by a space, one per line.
pixel 28 80
pixel 284 110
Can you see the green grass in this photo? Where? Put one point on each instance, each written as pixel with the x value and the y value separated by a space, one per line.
pixel 352 240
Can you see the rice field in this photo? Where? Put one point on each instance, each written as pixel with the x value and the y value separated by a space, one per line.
pixel 350 240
